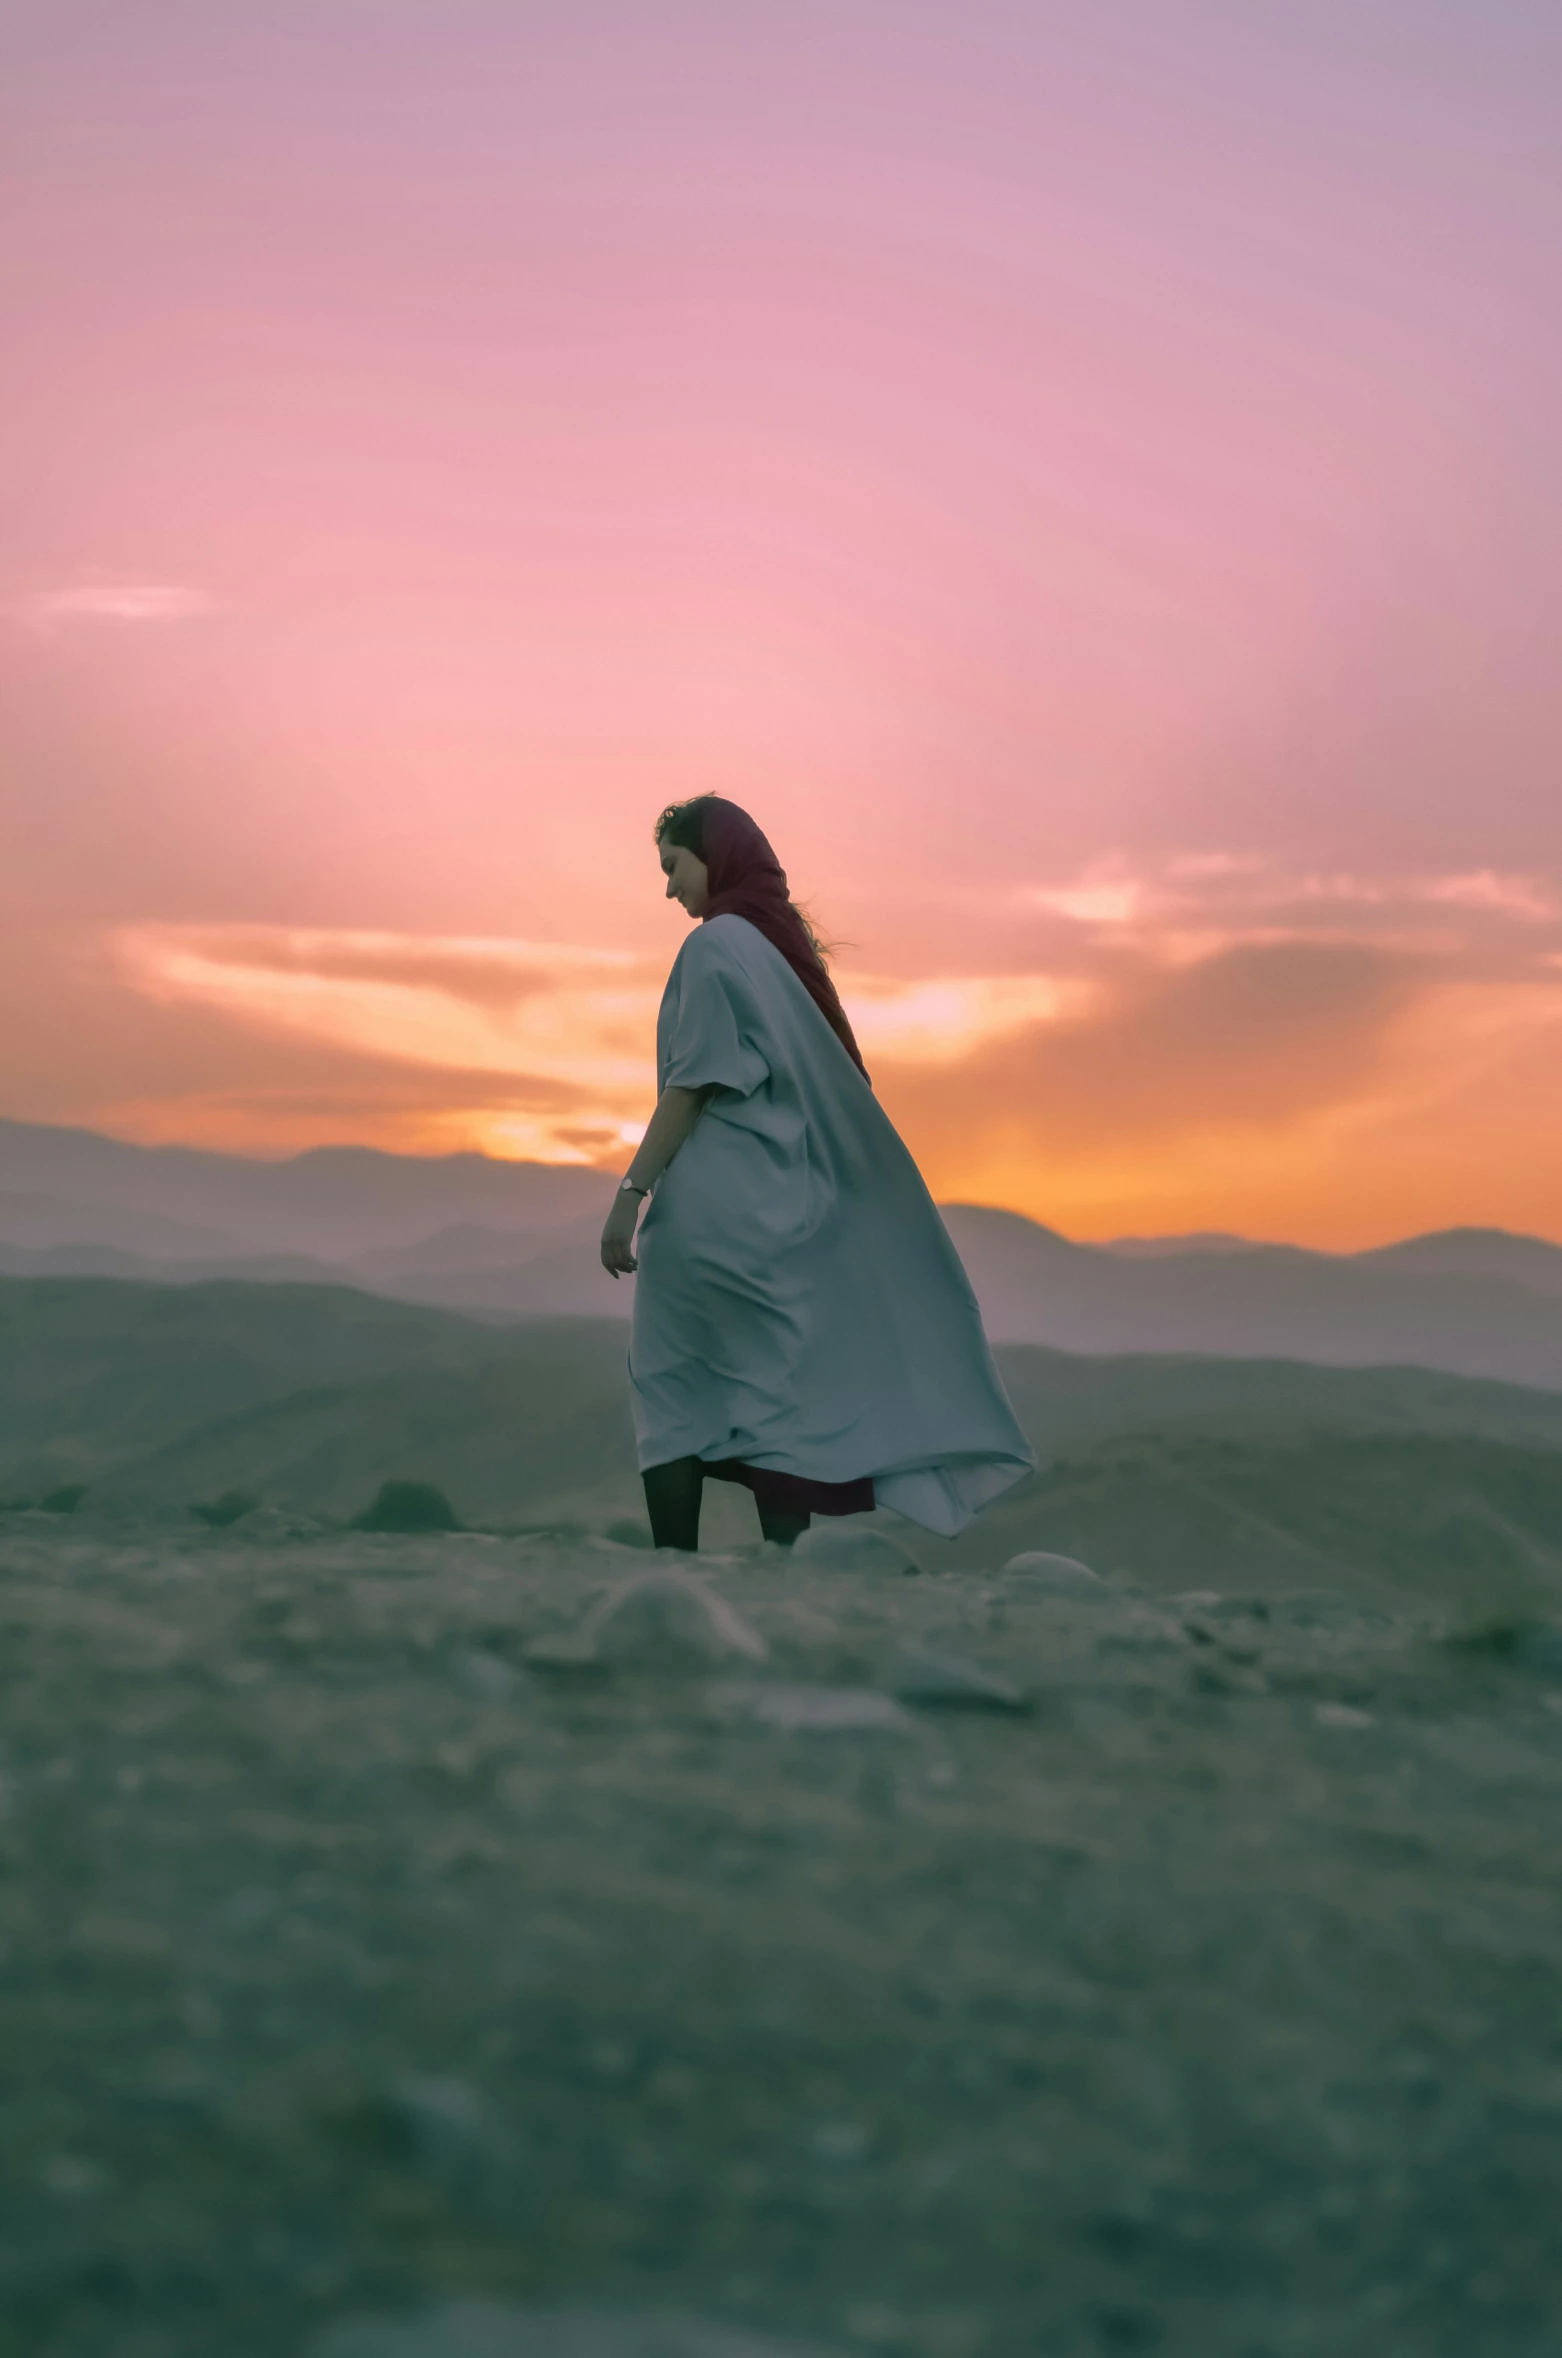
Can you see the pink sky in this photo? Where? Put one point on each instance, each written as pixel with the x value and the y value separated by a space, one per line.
pixel 1084 478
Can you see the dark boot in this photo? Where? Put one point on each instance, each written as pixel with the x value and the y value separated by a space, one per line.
pixel 783 1524
pixel 672 1501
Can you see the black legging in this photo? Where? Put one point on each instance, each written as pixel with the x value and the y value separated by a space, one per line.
pixel 672 1500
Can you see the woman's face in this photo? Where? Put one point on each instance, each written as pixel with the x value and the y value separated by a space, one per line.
pixel 688 878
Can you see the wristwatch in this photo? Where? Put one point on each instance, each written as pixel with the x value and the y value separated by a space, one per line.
pixel 628 1187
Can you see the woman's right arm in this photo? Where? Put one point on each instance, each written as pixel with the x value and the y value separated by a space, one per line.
pixel 677 1111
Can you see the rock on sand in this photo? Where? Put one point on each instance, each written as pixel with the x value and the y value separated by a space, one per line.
pixel 853 1547
pixel 951 1683
pixel 1053 1571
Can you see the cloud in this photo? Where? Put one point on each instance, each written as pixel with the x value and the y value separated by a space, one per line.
pixel 1528 897
pixel 550 1040
pixel 407 1110
pixel 483 971
pixel 81 1042
pixel 112 601
pixel 1243 1057
pixel 504 1012
pixel 1101 903
pixel 1193 903
pixel 1339 1089
pixel 1252 1037
pixel 941 1021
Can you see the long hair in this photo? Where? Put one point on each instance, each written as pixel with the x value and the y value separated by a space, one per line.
pixel 684 823
pixel 748 881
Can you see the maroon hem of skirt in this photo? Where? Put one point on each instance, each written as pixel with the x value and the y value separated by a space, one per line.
pixel 795 1494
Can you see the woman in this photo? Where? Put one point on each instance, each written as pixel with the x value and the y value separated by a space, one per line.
pixel 802 1323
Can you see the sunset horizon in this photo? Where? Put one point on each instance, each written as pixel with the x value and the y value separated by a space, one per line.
pixel 1086 490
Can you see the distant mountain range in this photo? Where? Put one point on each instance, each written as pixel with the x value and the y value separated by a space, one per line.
pixel 1473 1301
pixel 180 1203
pixel 506 1240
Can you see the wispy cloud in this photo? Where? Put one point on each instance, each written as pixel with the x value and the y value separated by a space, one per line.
pixel 487 971
pixel 1245 1068
pixel 1516 896
pixel 1233 896
pixel 111 601
pixel 1102 901
pixel 941 1021
pixel 507 1015
pixel 1171 1082
pixel 1265 1032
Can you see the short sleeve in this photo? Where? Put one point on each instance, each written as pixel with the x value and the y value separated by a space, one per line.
pixel 708 1041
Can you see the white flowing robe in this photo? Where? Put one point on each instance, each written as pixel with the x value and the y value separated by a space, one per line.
pixel 800 1306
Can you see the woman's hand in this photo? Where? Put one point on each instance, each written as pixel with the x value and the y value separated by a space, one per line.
pixel 618 1235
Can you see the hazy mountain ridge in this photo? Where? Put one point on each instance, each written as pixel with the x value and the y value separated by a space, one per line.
pixel 37 1221
pixel 330 1203
pixel 509 1240
pixel 1476 1252
pixel 1272 1300
pixel 90 1260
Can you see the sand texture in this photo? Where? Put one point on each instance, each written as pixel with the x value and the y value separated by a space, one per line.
pixel 468 1947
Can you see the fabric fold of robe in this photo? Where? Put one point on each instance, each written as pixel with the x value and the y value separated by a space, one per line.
pixel 800 1307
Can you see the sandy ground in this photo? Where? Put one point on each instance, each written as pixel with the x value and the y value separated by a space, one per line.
pixel 434 1948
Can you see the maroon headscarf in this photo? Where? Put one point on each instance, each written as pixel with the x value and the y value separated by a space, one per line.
pixel 747 880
